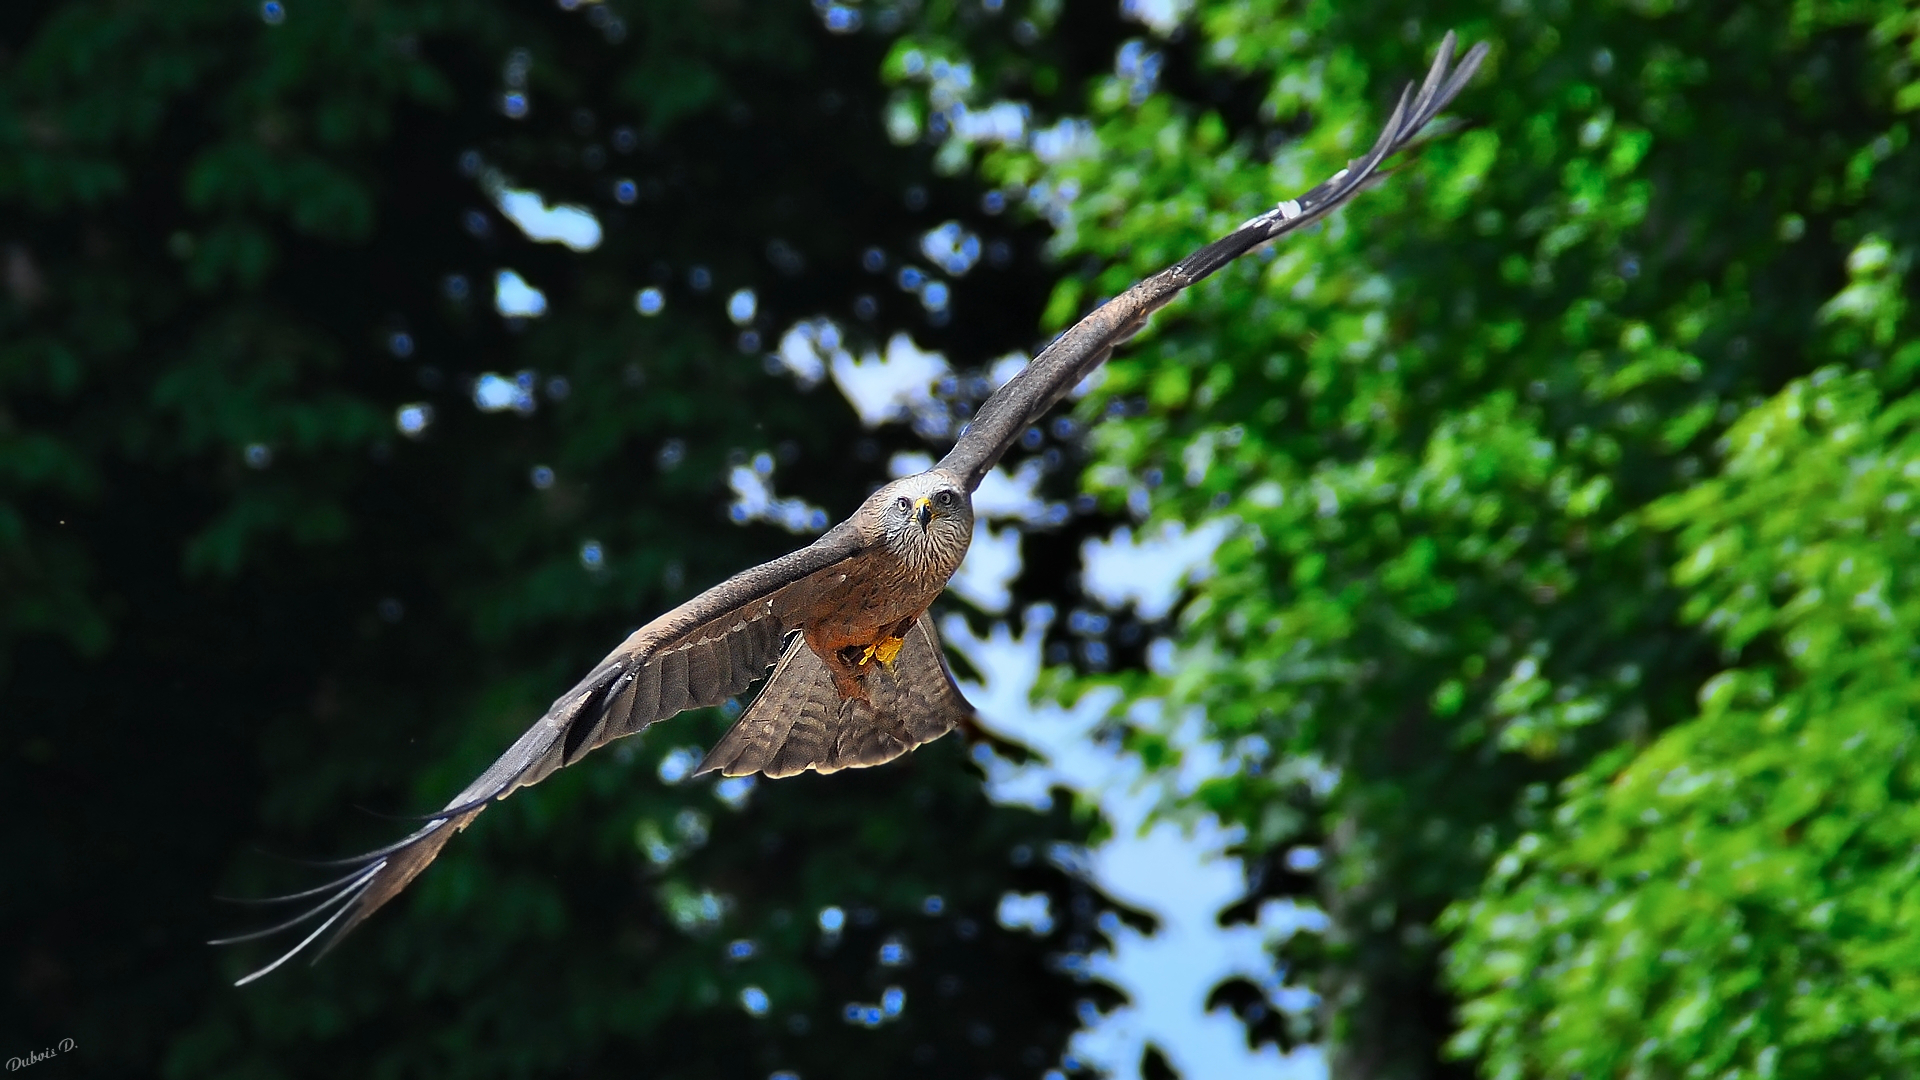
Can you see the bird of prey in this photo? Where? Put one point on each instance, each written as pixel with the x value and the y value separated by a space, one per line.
pixel 858 677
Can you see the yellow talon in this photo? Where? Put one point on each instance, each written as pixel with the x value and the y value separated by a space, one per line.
pixel 883 650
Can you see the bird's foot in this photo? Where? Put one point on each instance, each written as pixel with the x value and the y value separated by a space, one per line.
pixel 884 650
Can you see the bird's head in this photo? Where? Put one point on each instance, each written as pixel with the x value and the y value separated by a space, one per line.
pixel 926 518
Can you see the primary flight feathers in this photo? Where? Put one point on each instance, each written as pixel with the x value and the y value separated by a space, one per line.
pixel 858 674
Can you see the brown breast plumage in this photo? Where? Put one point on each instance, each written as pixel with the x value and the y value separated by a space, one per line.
pixel 858 604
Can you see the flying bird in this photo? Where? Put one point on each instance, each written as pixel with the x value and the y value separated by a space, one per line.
pixel 858 676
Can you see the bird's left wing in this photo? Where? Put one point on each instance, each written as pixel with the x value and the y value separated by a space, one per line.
pixel 1026 397
pixel 697 655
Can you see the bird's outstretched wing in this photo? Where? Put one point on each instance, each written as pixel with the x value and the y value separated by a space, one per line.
pixel 699 654
pixel 1073 355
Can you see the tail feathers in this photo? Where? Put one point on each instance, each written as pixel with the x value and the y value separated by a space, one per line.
pixel 790 724
pixel 800 722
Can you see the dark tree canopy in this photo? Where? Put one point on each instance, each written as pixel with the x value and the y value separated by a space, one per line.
pixel 239 600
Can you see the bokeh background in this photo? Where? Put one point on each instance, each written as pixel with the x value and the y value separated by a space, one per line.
pixel 1473 638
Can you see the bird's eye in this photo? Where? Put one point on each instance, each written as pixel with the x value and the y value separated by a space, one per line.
pixel 905 503
pixel 945 497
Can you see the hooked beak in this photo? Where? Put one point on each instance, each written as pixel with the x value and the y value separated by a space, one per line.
pixel 923 512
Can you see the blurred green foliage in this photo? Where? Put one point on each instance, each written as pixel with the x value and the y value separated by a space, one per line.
pixel 1569 612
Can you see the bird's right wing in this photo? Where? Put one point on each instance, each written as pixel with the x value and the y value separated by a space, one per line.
pixel 1072 356
pixel 699 654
